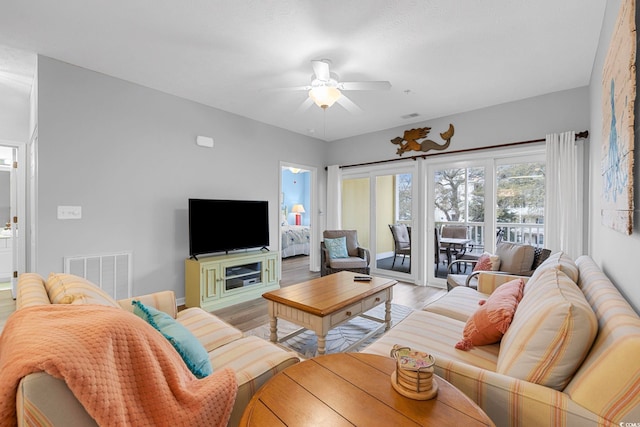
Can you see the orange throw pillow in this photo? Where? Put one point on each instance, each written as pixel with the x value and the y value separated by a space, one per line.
pixel 492 319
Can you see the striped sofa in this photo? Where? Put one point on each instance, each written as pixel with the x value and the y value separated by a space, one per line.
pixel 569 358
pixel 46 401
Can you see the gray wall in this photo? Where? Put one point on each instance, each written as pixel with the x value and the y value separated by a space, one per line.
pixel 14 114
pixel 613 251
pixel 524 120
pixel 127 155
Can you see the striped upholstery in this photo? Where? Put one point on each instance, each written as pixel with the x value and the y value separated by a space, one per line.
pixel 457 304
pixel 210 330
pixel 163 301
pixel 488 282
pixel 604 391
pixel 61 286
pixel 31 291
pixel 255 361
pixel 46 401
pixel 438 335
pixel 551 332
pixel 613 364
pixel 559 261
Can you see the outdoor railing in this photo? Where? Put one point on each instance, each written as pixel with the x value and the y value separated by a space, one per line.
pixel 532 234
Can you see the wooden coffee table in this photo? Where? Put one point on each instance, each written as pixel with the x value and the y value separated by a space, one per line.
pixel 326 302
pixel 354 389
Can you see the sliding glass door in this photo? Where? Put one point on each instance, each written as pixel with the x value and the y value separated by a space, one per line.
pixel 486 201
pixel 374 201
pixel 459 212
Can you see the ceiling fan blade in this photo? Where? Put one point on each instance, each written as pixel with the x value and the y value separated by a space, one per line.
pixel 321 70
pixel 379 85
pixel 286 89
pixel 304 106
pixel 349 105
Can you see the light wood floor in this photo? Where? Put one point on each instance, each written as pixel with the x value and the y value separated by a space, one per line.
pixel 251 314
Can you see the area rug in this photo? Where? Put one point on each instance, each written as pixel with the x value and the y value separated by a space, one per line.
pixel 339 338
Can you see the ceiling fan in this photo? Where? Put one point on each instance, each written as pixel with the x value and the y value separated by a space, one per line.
pixel 326 88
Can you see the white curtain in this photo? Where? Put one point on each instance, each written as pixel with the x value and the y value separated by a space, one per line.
pixel 334 198
pixel 563 202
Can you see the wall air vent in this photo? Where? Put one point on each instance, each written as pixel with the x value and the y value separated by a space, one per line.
pixel 111 272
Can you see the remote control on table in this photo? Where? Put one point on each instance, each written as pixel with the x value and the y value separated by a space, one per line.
pixel 362 278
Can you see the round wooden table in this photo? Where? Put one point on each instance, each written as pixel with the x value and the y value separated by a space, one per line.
pixel 348 389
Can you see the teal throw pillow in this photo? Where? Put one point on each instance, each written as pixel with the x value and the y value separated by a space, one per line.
pixel 186 344
pixel 337 247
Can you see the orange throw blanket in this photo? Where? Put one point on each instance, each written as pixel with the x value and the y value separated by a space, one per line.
pixel 121 369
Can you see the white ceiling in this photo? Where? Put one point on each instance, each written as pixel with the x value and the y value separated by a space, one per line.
pixel 441 56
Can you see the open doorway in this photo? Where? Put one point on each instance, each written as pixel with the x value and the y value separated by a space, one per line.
pixel 8 213
pixel 297 206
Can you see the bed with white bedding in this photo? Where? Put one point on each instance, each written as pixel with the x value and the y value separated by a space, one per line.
pixel 295 240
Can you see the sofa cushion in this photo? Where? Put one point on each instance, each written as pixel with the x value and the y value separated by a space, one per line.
pixel 515 258
pixel 560 261
pixel 186 344
pixel 254 361
pixel 68 288
pixel 337 247
pixel 210 330
pixel 436 335
pixel 459 303
pixel 551 332
pixel 348 263
pixel 492 319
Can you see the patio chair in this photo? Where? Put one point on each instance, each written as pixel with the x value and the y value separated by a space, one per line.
pixel 357 259
pixel 517 259
pixel 401 242
pixel 442 253
pixel 455 232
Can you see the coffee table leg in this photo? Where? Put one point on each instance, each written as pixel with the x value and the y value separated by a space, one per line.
pixel 321 344
pixel 273 323
pixel 387 315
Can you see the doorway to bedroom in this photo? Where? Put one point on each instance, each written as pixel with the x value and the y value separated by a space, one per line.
pixel 296 216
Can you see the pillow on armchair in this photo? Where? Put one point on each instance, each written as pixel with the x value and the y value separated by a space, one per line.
pixel 337 247
pixel 487 262
pixel 351 238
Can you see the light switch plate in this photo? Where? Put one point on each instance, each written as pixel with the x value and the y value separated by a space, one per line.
pixel 69 212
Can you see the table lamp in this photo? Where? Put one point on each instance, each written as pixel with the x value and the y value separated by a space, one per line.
pixel 298 210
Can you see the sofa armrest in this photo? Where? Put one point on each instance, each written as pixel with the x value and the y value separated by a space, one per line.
pixel 510 401
pixel 163 301
pixel 31 291
pixel 364 254
pixel 457 262
pixel 47 399
pixel 488 281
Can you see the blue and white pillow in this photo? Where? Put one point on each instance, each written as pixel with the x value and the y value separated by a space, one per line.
pixel 337 247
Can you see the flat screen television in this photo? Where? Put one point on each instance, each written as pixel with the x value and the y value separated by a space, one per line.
pixel 227 225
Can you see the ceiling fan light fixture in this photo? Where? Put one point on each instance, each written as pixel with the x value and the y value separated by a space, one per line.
pixel 324 96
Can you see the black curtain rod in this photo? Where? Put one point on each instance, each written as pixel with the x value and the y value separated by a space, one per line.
pixel 579 135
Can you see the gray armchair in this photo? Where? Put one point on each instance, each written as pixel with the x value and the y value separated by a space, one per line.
pixel 357 261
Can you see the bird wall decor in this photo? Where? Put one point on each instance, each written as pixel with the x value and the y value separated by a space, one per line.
pixel 410 140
